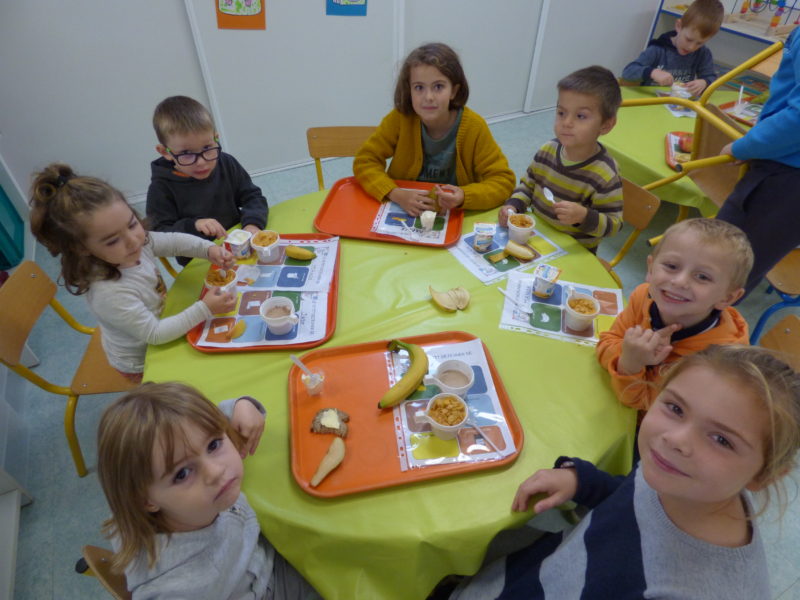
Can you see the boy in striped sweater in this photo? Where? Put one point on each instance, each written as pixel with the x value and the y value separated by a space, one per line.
pixel 578 171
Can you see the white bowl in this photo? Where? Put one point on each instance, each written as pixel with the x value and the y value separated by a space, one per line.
pixel 445 432
pixel 520 234
pixel 578 321
pixel 267 253
pixel 282 324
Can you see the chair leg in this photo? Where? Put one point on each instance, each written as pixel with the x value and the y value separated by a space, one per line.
pixel 72 438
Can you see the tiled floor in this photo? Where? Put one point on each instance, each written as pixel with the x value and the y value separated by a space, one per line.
pixel 68 511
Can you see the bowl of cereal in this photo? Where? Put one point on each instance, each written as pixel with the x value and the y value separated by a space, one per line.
pixel 265 244
pixel 223 280
pixel 520 228
pixel 580 311
pixel 446 414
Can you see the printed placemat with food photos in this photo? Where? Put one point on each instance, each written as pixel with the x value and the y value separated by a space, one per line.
pixel 547 314
pixel 418 446
pixel 486 266
pixel 391 219
pixel 307 283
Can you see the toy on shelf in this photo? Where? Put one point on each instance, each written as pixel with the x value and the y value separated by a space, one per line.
pixel 756 17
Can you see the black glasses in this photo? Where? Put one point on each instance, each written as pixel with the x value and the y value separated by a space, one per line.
pixel 189 158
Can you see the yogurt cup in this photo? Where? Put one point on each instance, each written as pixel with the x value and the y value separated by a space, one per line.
pixel 269 252
pixel 238 243
pixel 679 90
pixel 544 280
pixel 577 320
pixel 484 234
pixel 520 233
pixel 278 313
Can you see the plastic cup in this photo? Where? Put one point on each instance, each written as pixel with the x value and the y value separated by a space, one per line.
pixel 445 432
pixel 238 243
pixel 278 313
pixel 520 233
pixel 267 253
pixel 226 288
pixel 579 321
pixel 452 377
pixel 313 382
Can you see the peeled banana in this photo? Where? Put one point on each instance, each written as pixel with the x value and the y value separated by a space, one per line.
pixel 519 251
pixel 299 253
pixel 411 379
pixel 455 298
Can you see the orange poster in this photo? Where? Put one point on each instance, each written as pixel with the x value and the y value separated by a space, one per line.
pixel 241 14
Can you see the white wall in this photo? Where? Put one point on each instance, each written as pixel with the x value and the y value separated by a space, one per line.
pixel 580 33
pixel 79 81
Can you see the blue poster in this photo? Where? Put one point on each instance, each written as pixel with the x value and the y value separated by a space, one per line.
pixel 348 8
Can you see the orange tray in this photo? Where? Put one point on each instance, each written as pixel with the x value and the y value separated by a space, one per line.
pixel 371 460
pixel 193 336
pixel 349 211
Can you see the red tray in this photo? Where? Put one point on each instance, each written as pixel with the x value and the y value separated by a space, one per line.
pixel 355 378
pixel 349 211
pixel 193 336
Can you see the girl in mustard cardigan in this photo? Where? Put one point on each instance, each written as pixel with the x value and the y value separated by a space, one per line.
pixel 431 135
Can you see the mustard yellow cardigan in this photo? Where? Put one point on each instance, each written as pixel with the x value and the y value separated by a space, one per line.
pixel 481 168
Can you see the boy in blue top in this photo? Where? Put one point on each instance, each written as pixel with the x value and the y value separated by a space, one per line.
pixel 765 203
pixel 195 187
pixel 680 56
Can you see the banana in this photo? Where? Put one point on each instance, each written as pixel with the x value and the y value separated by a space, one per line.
pixel 411 379
pixel 519 251
pixel 299 253
pixel 455 298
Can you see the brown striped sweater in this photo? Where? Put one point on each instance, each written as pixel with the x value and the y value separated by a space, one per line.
pixel 594 183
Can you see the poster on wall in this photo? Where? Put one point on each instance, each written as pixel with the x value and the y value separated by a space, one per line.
pixel 348 8
pixel 241 14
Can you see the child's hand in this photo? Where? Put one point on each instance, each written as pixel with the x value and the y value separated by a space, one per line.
pixel 449 196
pixel 662 77
pixel 503 214
pixel 642 347
pixel 210 227
pixel 414 202
pixel 219 303
pixel 251 228
pixel 696 86
pixel 248 421
pixel 221 257
pixel 560 486
pixel 570 213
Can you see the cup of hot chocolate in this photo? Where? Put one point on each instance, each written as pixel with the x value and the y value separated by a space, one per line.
pixel 279 315
pixel 452 377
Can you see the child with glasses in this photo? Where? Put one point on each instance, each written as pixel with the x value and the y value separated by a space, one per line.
pixel 195 187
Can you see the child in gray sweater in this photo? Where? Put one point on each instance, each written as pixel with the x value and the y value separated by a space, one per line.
pixel 170 463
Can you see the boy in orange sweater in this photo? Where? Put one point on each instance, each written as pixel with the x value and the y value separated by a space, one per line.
pixel 694 276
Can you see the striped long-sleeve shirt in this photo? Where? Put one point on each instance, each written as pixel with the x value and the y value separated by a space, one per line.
pixel 594 183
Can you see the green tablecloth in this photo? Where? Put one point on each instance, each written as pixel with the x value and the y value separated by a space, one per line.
pixel 637 143
pixel 398 542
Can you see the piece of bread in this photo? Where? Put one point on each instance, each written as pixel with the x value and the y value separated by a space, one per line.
pixel 330 420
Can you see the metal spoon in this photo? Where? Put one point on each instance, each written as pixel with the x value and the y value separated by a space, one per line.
pixel 523 308
pixel 548 195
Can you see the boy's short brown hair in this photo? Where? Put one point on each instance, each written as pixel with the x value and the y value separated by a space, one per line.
pixel 181 115
pixel 704 15
pixel 598 82
pixel 721 234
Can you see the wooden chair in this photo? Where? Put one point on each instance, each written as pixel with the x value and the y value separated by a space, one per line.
pixel 784 279
pixel 23 298
pixel 326 142
pixel 784 337
pixel 96 562
pixel 639 208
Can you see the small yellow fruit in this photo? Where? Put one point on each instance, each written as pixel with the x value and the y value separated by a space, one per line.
pixel 299 253
pixel 237 330
pixel 456 298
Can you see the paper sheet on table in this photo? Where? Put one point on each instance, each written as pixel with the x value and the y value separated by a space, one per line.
pixel 390 220
pixel 417 446
pixel 547 318
pixel 480 265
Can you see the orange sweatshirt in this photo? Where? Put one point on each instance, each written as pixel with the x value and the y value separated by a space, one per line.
pixel 639 390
